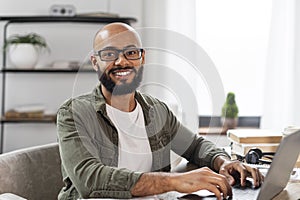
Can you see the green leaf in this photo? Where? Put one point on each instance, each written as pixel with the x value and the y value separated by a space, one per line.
pixel 230 109
pixel 31 38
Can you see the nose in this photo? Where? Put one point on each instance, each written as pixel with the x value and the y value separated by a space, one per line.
pixel 122 61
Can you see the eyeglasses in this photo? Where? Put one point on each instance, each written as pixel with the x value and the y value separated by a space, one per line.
pixel 113 54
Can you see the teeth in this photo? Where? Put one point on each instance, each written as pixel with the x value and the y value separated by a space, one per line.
pixel 122 73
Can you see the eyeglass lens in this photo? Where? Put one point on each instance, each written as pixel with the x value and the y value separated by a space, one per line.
pixel 113 54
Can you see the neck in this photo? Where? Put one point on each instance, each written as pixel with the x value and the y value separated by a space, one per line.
pixel 125 103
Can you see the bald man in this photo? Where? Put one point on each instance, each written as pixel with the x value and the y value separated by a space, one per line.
pixel 115 142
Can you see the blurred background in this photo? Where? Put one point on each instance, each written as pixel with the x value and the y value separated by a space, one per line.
pixel 197 52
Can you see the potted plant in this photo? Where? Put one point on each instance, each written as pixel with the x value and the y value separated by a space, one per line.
pixel 229 117
pixel 23 49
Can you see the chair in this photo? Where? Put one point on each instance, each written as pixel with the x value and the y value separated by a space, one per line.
pixel 33 173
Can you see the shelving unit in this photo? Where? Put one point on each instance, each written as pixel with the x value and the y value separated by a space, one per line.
pixel 45 71
pixel 45 119
pixel 42 19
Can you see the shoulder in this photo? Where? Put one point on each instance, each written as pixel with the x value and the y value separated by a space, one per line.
pixel 75 100
pixel 78 104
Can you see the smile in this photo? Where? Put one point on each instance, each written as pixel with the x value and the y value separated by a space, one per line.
pixel 122 73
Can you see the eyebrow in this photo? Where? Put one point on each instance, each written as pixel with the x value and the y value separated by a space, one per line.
pixel 112 47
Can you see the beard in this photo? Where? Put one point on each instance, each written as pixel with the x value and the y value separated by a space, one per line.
pixel 124 88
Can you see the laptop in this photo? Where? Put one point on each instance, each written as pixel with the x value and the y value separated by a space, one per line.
pixel 277 176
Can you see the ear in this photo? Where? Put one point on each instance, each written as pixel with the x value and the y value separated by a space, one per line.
pixel 143 57
pixel 94 62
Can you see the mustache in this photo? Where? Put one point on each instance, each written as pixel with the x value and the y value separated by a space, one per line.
pixel 121 68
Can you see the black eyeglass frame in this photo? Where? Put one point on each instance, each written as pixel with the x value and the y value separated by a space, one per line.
pixel 141 50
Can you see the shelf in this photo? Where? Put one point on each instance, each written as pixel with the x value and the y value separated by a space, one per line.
pixel 45 119
pixel 44 19
pixel 85 19
pixel 45 70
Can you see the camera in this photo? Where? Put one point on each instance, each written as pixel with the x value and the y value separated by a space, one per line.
pixel 62 10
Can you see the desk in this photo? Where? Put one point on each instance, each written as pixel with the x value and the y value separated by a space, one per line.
pixel 291 192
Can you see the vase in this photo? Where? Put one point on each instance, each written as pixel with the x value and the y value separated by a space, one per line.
pixel 23 55
pixel 229 123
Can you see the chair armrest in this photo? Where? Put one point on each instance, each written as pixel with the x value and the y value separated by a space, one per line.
pixel 10 196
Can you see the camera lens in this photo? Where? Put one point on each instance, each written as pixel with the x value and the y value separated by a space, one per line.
pixel 63 11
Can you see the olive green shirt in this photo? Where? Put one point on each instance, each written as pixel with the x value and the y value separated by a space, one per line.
pixel 88 144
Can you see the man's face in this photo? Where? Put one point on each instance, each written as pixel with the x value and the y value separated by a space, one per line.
pixel 119 70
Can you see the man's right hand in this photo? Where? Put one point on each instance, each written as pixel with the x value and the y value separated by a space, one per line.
pixel 188 182
pixel 203 178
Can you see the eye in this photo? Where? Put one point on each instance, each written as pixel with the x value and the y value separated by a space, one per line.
pixel 108 54
pixel 132 53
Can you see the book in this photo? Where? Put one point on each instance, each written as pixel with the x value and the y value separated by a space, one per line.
pixel 98 14
pixel 12 114
pixel 243 148
pixel 254 136
pixel 25 111
pixel 29 108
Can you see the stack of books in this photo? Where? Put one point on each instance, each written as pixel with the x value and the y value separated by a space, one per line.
pixel 245 139
pixel 32 111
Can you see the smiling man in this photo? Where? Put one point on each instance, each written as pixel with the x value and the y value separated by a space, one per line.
pixel 115 142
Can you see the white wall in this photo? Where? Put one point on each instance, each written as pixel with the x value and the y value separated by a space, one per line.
pixel 67 42
pixel 235 34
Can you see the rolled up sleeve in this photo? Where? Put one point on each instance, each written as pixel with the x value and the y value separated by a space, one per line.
pixel 86 171
pixel 203 152
pixel 193 147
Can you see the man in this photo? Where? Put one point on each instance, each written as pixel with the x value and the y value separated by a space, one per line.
pixel 116 142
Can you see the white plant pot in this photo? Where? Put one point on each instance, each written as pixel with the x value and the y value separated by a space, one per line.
pixel 23 55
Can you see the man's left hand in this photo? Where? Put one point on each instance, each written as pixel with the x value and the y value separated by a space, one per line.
pixel 234 170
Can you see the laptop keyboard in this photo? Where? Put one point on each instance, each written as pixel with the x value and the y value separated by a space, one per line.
pixel 247 192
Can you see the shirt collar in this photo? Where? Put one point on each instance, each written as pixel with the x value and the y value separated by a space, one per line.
pixel 99 100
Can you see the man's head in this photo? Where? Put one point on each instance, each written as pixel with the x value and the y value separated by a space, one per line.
pixel 118 58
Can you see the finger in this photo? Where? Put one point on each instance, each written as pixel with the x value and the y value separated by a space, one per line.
pixel 228 176
pixel 243 173
pixel 258 178
pixel 212 188
pixel 255 174
pixel 223 185
pixel 262 177
pixel 225 188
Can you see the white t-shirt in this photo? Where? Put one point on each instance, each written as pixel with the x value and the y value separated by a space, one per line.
pixel 134 148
